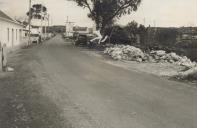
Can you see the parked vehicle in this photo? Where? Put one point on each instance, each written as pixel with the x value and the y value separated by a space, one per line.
pixel 92 44
pixel 81 39
pixel 64 35
pixel 75 35
pixel 35 38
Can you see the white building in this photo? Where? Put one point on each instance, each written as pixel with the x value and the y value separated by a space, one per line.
pixel 82 30
pixel 69 29
pixel 40 25
pixel 11 31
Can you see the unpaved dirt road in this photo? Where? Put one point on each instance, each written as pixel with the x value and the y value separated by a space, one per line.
pixel 56 85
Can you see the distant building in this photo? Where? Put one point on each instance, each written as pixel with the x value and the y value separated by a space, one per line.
pixel 58 28
pixel 11 31
pixel 82 30
pixel 69 29
pixel 39 26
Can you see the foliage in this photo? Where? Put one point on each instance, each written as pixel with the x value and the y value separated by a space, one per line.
pixel 118 35
pixel 142 31
pixel 39 8
pixel 132 30
pixel 105 12
pixel 166 36
pixel 38 11
pixel 125 34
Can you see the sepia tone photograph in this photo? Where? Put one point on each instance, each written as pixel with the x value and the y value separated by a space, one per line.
pixel 98 64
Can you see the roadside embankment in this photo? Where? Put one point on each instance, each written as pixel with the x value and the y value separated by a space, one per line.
pixel 157 62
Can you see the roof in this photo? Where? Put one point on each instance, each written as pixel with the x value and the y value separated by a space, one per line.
pixel 3 15
pixel 9 19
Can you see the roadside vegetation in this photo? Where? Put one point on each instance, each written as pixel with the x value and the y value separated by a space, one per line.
pixel 135 41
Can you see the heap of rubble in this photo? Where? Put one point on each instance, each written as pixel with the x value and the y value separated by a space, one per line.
pixel 131 53
pixel 125 52
pixel 189 74
pixel 161 56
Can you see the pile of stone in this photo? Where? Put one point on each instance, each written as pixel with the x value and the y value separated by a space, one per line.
pixel 131 53
pixel 125 52
pixel 189 74
pixel 161 56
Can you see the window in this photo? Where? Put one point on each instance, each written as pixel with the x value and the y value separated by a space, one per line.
pixel 13 37
pixel 20 35
pixel 16 34
pixel 8 34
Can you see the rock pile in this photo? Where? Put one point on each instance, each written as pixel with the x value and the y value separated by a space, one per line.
pixel 131 53
pixel 189 74
pixel 161 56
pixel 125 52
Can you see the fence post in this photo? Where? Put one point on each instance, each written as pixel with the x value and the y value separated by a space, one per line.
pixel 4 57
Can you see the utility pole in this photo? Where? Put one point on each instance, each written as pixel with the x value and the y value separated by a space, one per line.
pixel 29 22
pixel 48 20
pixel 154 23
pixel 48 23
pixel 51 21
pixel 42 29
pixel 69 26
pixel 45 26
pixel 144 21
pixel 67 19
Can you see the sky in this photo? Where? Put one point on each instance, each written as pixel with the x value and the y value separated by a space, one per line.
pixel 160 13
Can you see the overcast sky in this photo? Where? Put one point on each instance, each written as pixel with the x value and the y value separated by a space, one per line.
pixel 164 13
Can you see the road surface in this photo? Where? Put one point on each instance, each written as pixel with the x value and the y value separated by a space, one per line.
pixel 57 85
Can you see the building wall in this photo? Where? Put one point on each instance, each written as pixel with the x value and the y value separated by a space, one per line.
pixel 41 26
pixel 10 33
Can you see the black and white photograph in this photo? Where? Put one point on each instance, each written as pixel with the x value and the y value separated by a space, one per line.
pixel 98 64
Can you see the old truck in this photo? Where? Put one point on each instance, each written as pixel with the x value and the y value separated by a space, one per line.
pixel 35 35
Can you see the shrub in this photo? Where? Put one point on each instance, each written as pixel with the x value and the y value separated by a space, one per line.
pixel 166 36
pixel 118 35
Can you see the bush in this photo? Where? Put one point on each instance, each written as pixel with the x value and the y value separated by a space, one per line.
pixel 167 36
pixel 118 35
pixel 187 44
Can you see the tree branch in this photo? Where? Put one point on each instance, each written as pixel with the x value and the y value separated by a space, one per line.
pixel 87 5
pixel 124 6
pixel 116 13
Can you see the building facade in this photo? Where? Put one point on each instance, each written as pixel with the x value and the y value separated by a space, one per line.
pixel 11 31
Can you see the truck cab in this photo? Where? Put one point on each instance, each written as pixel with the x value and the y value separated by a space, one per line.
pixel 35 38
